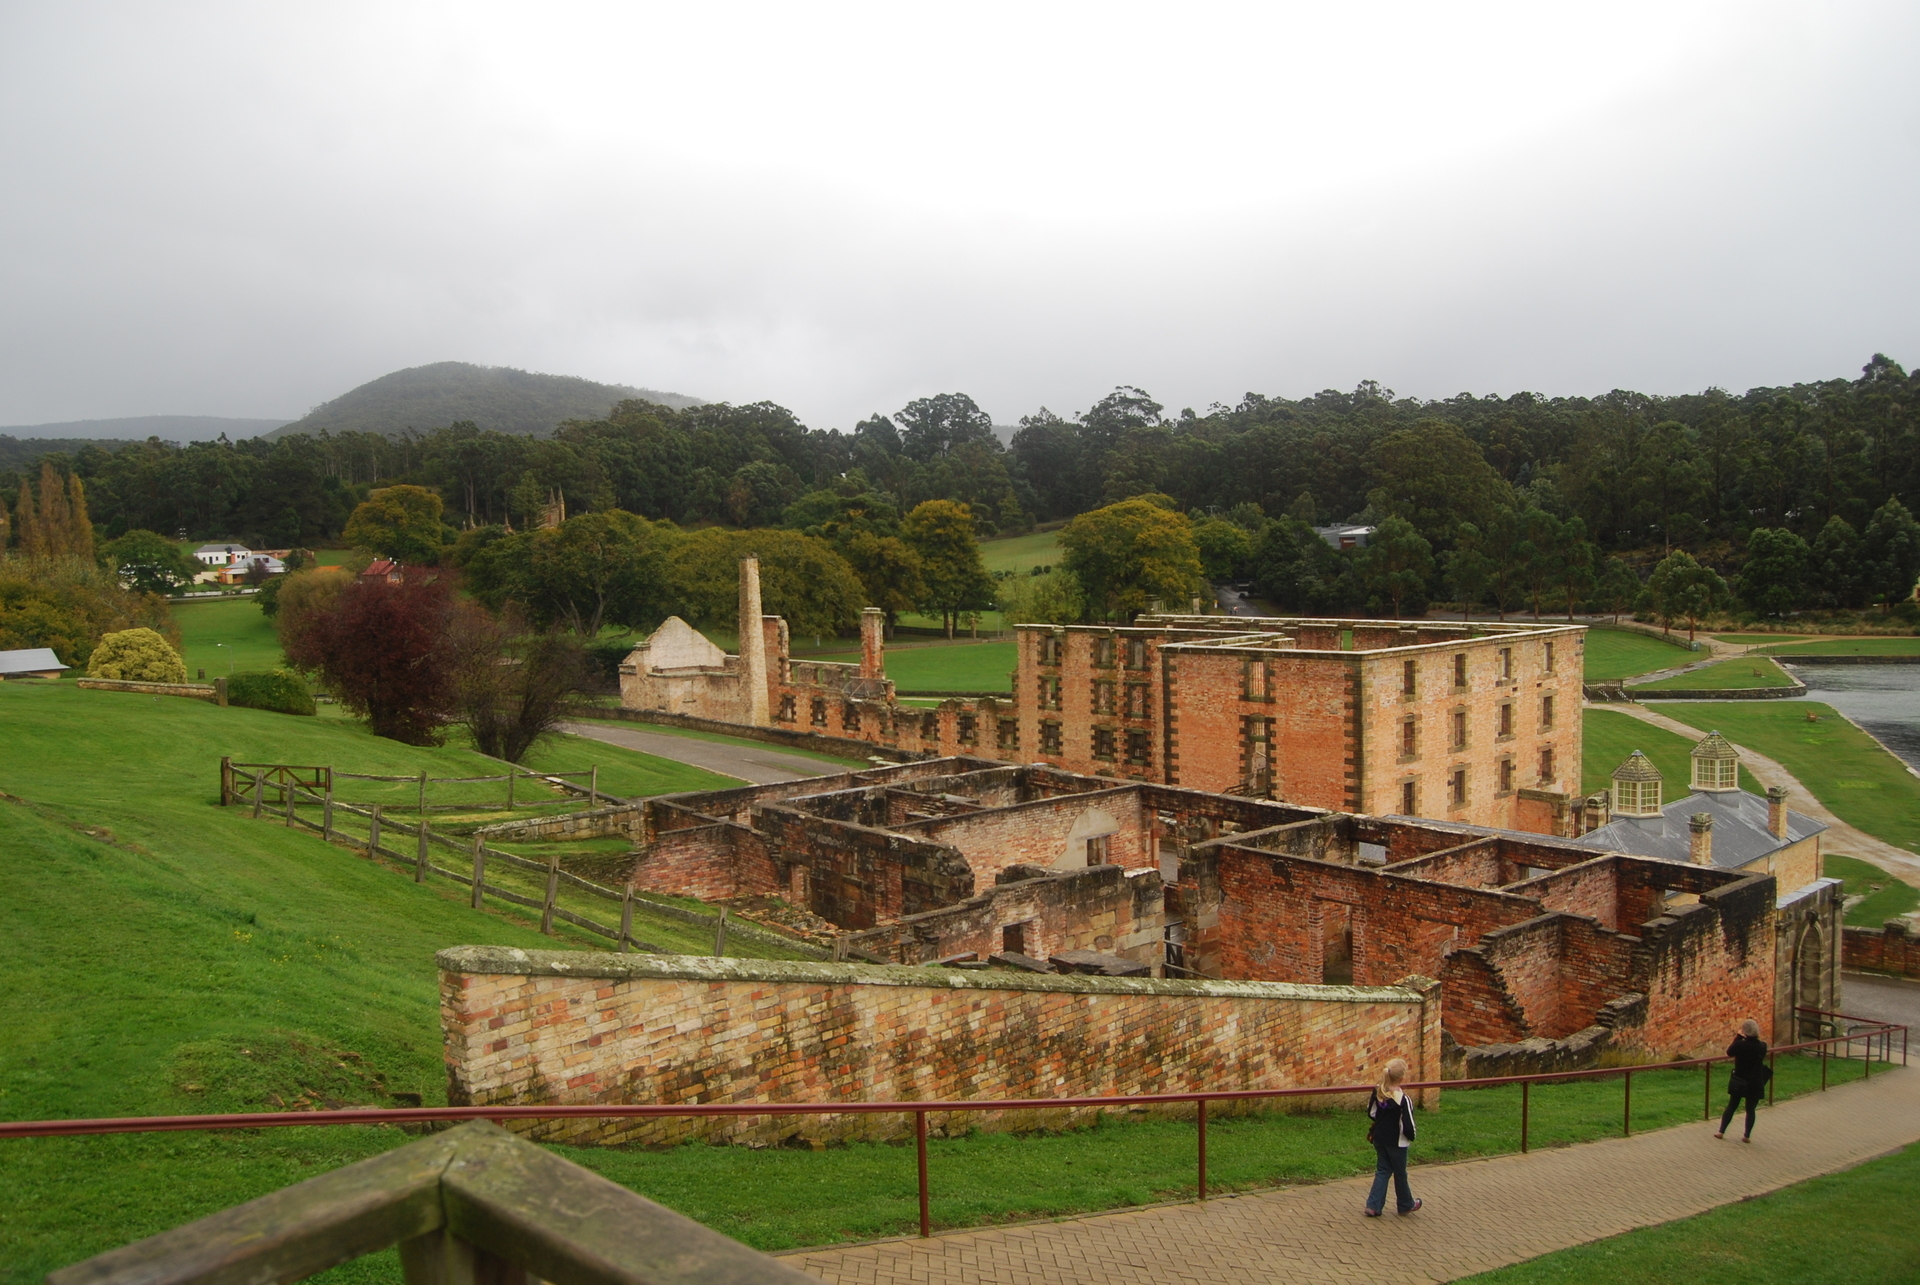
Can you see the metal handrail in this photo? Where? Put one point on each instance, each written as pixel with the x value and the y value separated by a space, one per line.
pixel 921 1109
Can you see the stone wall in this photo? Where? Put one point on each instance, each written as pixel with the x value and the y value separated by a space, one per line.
pixel 215 691
pixel 1047 832
pixel 857 876
pixel 576 1027
pixel 1893 948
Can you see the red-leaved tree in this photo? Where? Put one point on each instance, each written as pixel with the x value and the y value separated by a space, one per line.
pixel 386 651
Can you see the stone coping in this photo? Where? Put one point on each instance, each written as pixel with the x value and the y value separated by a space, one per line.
pixel 513 961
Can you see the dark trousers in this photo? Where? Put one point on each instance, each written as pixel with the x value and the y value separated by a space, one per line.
pixel 1733 1104
pixel 1391 1163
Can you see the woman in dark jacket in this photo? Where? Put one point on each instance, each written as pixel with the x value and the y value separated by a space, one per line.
pixel 1391 1133
pixel 1750 1076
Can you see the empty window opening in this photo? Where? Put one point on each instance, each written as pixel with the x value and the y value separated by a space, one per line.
pixel 1549 655
pixel 1459 787
pixel 1007 734
pixel 817 711
pixel 1103 743
pixel 1139 748
pixel 1460 669
pixel 1506 776
pixel 1546 712
pixel 1459 729
pixel 1406 678
pixel 1407 738
pixel 1013 939
pixel 1097 850
pixel 1050 742
pixel 1506 719
pixel 1546 763
pixel 1506 664
pixel 1409 799
pixel 1136 653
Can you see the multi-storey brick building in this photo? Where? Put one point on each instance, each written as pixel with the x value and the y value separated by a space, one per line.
pixel 1474 723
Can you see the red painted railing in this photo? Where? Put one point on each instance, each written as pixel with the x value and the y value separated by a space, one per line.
pixel 1874 1035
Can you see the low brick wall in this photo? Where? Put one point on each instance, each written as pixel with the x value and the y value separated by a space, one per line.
pixel 1892 948
pixel 215 691
pixel 578 1027
pixel 620 820
pixel 1801 658
pixel 1717 693
pixel 815 742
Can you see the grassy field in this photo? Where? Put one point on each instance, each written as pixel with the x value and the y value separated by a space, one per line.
pixel 1844 767
pixel 1727 675
pixel 956 667
pixel 1609 737
pixel 216 634
pixel 1021 553
pixel 1855 1227
pixel 1852 647
pixel 1622 653
pixel 1884 896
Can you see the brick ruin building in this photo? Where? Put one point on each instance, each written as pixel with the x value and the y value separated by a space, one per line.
pixel 1475 723
pixel 1547 952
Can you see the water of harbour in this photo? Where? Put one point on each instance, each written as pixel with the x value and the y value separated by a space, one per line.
pixel 1884 699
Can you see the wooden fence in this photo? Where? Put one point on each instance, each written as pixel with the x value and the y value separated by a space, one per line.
pixel 238 783
pixel 277 791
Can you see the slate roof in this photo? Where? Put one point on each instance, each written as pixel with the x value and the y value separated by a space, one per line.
pixel 29 660
pixel 1636 767
pixel 1740 833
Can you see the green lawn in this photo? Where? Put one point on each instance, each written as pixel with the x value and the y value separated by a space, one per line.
pixel 225 636
pixel 955 667
pixel 1844 767
pixel 1727 675
pixel 1622 653
pixel 1884 896
pixel 1609 736
pixel 1758 638
pixel 1853 647
pixel 1021 553
pixel 1855 1227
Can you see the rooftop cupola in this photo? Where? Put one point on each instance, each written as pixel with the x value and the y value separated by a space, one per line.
pixel 1716 764
pixel 1636 787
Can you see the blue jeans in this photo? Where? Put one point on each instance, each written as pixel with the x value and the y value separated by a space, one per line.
pixel 1392 1164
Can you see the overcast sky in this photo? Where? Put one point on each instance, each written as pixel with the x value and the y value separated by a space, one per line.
pixel 247 209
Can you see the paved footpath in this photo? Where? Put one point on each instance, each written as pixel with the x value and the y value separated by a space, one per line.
pixel 1479 1214
pixel 754 764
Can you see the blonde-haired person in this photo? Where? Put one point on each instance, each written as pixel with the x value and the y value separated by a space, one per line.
pixel 1749 1078
pixel 1391 1133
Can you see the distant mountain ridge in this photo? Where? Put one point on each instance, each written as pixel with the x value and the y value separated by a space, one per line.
pixel 494 397
pixel 138 428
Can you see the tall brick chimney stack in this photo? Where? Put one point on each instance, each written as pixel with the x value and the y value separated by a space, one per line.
pixel 1700 839
pixel 1777 811
pixel 753 644
pixel 873 643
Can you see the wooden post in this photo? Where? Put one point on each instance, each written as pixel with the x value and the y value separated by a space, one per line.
pixel 423 792
pixel 479 868
pixel 259 792
pixel 720 935
pixel 626 919
pixel 287 796
pixel 220 692
pixel 512 774
pixel 326 810
pixel 373 832
pixel 226 780
pixel 593 787
pixel 553 890
pixel 420 857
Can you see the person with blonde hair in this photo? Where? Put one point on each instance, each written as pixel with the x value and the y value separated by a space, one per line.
pixel 1391 1132
pixel 1749 1078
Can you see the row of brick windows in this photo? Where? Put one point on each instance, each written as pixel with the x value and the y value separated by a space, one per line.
pixel 1506 773
pixel 1503 660
pixel 1457 725
pixel 1107 743
pixel 1105 652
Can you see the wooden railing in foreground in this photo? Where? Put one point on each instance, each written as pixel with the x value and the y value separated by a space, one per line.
pixel 474 1204
pixel 1874 1035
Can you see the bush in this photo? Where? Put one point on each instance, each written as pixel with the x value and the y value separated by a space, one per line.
pixel 280 690
pixel 136 656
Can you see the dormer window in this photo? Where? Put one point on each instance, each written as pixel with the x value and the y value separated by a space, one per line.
pixel 1636 787
pixel 1716 764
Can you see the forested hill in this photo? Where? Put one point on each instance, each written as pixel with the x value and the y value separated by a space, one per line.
pixel 138 428
pixel 496 398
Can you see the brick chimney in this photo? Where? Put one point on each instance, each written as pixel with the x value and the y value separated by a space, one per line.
pixel 873 643
pixel 753 645
pixel 1777 811
pixel 1700 838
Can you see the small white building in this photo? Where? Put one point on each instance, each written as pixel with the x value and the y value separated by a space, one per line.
pixel 1345 535
pixel 222 555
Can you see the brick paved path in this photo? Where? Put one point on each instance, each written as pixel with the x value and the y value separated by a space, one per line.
pixel 1479 1214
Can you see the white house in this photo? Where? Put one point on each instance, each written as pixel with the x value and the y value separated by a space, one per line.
pixel 222 555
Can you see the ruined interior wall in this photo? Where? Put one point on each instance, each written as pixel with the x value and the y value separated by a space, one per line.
pixel 578 1027
pixel 1472 865
pixel 1266 915
pixel 1591 888
pixel 1707 967
pixel 859 877
pixel 1101 908
pixel 711 862
pixel 1038 833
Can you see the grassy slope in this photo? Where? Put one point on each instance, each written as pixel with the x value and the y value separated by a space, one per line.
pixel 1855 1226
pixel 1853 647
pixel 1883 896
pixel 1610 736
pixel 1727 675
pixel 826 761
pixel 1021 553
pixel 1623 653
pixel 235 622
pixel 962 667
pixel 1844 767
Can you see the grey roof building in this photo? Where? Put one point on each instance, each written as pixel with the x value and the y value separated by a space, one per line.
pixel 30 662
pixel 1741 833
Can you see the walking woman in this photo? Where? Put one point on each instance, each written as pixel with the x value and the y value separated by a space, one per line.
pixel 1750 1076
pixel 1391 1133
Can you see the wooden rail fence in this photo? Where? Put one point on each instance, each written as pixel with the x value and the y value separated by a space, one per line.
pixel 282 789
